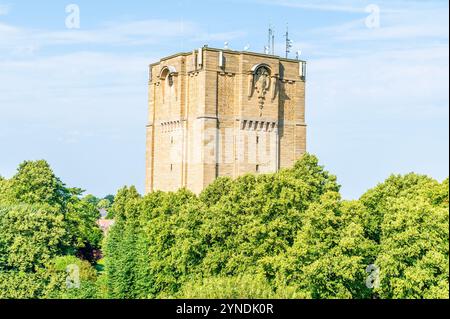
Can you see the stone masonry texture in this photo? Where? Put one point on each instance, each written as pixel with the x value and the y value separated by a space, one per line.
pixel 215 113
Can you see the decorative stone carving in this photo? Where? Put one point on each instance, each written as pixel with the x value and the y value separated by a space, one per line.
pixel 260 81
pixel 262 85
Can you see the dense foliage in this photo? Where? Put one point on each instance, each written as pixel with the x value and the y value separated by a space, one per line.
pixel 283 235
pixel 42 221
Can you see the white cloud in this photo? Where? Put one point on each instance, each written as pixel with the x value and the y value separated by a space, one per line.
pixel 132 33
pixel 353 6
pixel 375 114
pixel 341 6
pixel 399 19
pixel 7 30
pixel 20 41
pixel 83 111
pixel 89 83
pixel 4 9
pixel 411 24
pixel 409 83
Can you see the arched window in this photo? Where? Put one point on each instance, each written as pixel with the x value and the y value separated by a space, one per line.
pixel 166 77
pixel 166 71
pixel 256 67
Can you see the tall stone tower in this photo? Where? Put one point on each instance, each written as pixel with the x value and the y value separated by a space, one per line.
pixel 218 113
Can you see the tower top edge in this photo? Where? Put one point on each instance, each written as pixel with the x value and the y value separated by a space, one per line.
pixel 249 53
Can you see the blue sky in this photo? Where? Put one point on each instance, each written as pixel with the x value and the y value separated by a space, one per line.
pixel 377 96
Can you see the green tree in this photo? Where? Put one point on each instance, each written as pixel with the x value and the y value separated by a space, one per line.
pixel 41 219
pixel 81 222
pixel 84 277
pixel 110 198
pixel 409 187
pixel 91 199
pixel 104 204
pixel 229 230
pixel 330 253
pixel 120 247
pixel 413 236
pixel 35 183
pixel 21 285
pixel 235 287
pixel 30 236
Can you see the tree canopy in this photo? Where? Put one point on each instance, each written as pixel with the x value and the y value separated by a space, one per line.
pixel 41 220
pixel 282 235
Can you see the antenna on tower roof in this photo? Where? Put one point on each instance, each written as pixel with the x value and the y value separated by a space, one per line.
pixel 288 42
pixel 273 43
pixel 270 48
